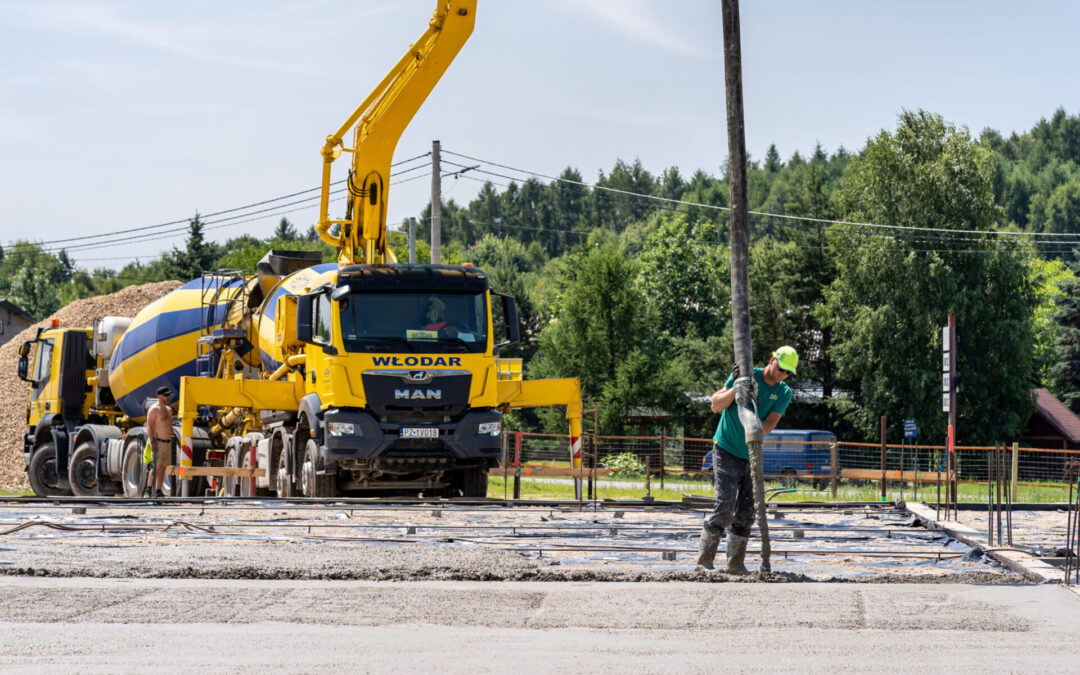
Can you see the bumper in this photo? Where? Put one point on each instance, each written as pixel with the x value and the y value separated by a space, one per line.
pixel 379 442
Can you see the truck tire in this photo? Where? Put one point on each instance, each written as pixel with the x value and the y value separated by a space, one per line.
pixel 232 483
pixel 44 479
pixel 82 471
pixel 312 484
pixel 132 469
pixel 284 480
pixel 472 482
pixel 244 459
pixel 787 477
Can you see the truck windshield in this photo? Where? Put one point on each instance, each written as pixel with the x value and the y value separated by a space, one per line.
pixel 42 367
pixel 414 321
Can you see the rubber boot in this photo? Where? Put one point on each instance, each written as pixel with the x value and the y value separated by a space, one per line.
pixel 710 541
pixel 736 554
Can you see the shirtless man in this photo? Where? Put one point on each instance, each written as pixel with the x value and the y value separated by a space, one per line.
pixel 159 429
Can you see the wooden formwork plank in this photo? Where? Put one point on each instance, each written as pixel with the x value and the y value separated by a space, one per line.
pixel 893 475
pixel 219 471
pixel 548 471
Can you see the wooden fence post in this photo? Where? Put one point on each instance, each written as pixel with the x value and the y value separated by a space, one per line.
pixel 883 489
pixel 662 463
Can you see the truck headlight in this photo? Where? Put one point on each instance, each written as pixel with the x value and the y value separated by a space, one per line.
pixel 342 429
pixel 490 428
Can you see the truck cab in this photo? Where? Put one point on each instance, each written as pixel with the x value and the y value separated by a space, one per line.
pixel 402 378
pixel 57 364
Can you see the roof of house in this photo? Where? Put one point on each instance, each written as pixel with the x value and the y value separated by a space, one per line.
pixel 15 309
pixel 1058 415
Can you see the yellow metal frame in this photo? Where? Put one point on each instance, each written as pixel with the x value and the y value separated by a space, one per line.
pixel 240 393
pixel 377 125
pixel 543 393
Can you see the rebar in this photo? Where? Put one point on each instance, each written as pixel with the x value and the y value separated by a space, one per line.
pixel 1068 533
pixel 1000 458
pixel 989 499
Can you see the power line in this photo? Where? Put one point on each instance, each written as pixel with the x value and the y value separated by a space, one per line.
pixel 1000 233
pixel 271 212
pixel 264 202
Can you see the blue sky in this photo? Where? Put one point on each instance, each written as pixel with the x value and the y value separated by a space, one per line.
pixel 115 115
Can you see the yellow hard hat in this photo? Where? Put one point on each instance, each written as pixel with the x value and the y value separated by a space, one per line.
pixel 787 358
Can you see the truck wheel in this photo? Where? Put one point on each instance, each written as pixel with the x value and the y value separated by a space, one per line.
pixel 787 478
pixel 82 471
pixel 232 483
pixel 133 469
pixel 311 484
pixel 245 482
pixel 45 481
pixel 469 483
pixel 284 480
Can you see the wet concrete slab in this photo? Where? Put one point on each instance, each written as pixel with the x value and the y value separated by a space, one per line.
pixel 345 541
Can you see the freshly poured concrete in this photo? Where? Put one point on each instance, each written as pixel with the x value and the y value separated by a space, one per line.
pixel 109 625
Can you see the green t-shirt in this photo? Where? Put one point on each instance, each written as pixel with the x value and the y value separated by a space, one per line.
pixel 730 434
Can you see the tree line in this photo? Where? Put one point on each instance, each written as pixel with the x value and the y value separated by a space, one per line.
pixel 631 294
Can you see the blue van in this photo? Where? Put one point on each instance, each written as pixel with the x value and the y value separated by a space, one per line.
pixel 791 453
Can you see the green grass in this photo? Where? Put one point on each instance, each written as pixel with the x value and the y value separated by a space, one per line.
pixel 16 493
pixel 846 491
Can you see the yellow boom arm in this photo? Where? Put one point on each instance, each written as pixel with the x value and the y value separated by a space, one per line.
pixel 377 125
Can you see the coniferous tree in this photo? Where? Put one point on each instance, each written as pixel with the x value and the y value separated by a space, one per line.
pixel 1067 370
pixel 285 231
pixel 198 255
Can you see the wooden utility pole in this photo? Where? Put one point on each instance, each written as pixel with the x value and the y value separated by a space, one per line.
pixel 412 241
pixel 740 274
pixel 436 204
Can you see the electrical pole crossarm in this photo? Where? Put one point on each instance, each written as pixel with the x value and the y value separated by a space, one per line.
pixel 377 125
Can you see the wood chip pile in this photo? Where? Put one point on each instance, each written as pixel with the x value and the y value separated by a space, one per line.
pixel 14 393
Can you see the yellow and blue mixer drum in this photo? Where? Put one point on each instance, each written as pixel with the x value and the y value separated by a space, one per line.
pixel 160 345
pixel 297 283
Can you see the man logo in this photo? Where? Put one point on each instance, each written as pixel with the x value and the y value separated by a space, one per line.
pixel 418 375
pixel 414 394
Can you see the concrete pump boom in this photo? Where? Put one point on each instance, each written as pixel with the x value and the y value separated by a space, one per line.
pixel 377 124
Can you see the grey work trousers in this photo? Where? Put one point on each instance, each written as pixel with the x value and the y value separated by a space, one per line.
pixel 734 509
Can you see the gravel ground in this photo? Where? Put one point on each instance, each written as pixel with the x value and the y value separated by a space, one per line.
pixel 14 393
pixel 420 543
pixel 1040 531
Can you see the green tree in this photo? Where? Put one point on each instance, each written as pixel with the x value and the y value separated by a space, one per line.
pixel 599 334
pixel 198 255
pixel 893 293
pixel 1066 371
pixel 1049 278
pixel 285 231
pixel 1061 215
pixel 684 277
pixel 35 284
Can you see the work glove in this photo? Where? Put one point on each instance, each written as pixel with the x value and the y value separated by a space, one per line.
pixel 147 453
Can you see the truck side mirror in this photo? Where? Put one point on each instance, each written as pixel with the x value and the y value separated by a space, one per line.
pixel 304 316
pixel 24 366
pixel 510 317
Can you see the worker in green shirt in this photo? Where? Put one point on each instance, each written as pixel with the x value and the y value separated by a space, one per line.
pixel 734 509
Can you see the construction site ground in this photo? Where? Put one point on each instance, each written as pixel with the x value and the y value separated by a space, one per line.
pixel 271 586
pixel 460 541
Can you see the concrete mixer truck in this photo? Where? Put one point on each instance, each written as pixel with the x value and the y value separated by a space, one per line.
pixel 362 376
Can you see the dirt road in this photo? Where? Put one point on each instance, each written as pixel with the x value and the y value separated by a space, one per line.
pixel 147 625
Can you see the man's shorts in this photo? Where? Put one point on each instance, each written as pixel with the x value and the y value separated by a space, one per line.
pixel 162 452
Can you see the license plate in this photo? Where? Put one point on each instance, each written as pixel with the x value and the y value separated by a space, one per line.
pixel 419 432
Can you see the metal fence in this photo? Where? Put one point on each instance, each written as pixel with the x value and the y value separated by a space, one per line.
pixel 846 463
